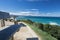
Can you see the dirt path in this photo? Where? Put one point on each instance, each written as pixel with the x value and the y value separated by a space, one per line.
pixel 24 33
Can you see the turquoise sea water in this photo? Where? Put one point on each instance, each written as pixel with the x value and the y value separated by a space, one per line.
pixel 45 20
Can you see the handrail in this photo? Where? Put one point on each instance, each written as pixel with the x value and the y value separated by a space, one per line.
pixel 9 32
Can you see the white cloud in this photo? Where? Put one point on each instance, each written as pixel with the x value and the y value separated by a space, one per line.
pixel 52 14
pixel 26 13
pixel 35 9
pixel 36 13
pixel 33 0
pixel 31 10
pixel 37 0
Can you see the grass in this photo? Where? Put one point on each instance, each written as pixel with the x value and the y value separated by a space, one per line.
pixel 42 34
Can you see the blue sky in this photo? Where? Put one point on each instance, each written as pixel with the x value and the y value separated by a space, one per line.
pixel 31 7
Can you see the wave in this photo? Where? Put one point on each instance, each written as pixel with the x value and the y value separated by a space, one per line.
pixel 53 23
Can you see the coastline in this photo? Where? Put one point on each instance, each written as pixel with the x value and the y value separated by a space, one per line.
pixel 35 27
pixel 45 29
pixel 44 20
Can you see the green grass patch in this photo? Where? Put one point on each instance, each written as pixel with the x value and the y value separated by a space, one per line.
pixel 44 35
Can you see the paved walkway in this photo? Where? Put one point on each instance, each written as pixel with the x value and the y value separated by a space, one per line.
pixel 7 24
pixel 25 33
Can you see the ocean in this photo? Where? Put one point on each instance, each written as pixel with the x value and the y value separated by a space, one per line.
pixel 44 20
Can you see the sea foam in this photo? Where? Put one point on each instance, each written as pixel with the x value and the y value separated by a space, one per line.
pixel 53 23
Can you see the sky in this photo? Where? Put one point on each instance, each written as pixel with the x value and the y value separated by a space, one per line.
pixel 31 7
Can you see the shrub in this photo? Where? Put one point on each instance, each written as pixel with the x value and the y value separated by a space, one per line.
pixel 39 25
pixel 27 21
pixel 47 27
